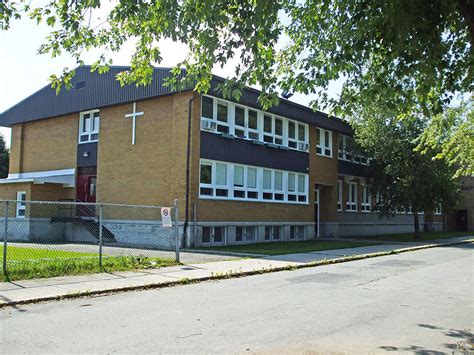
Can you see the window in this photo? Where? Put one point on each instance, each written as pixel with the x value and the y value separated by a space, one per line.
pixel 351 204
pixel 273 233
pixel 213 235
pixel 233 181
pixel 89 126
pixel 222 117
pixel 205 179
pixel 324 142
pixel 239 190
pixel 221 179
pixel 253 132
pixel 339 195
pixel 345 149
pixel 245 234
pixel 239 123
pixel 438 210
pixel 214 115
pixel 301 188
pixel 292 187
pixel 225 117
pixel 207 107
pixel 365 204
pixel 297 232
pixel 21 204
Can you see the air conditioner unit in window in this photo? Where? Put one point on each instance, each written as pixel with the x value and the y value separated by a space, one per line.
pixel 208 125
pixel 303 146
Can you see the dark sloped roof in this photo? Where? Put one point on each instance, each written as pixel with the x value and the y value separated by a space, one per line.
pixel 94 90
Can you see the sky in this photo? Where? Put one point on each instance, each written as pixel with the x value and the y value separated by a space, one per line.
pixel 23 71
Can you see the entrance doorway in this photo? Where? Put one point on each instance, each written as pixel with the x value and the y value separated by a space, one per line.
pixel 316 211
pixel 86 188
pixel 86 191
pixel 461 220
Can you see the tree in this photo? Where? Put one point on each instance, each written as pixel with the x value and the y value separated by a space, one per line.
pixel 451 134
pixel 4 158
pixel 400 52
pixel 409 55
pixel 403 178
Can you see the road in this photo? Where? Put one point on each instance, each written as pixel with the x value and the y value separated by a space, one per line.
pixel 412 302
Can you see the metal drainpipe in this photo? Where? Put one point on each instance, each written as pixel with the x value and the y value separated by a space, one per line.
pixel 188 157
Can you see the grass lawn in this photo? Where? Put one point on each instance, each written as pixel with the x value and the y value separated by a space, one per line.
pixel 22 253
pixel 280 248
pixel 409 237
pixel 31 263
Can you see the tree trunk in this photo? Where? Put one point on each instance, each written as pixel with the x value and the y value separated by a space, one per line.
pixel 416 220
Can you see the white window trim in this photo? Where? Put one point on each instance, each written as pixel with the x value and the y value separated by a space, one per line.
pixel 321 145
pixel 365 206
pixel 89 133
pixel 351 206
pixel 339 195
pixel 260 125
pixel 259 188
pixel 20 206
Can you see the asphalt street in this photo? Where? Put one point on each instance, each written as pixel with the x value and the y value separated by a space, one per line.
pixel 413 302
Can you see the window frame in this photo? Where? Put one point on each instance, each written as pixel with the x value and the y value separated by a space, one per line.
pixel 271 235
pixel 339 195
pixel 272 192
pixel 20 206
pixel 94 130
pixel 297 232
pixel 365 205
pixel 321 146
pixel 343 154
pixel 245 233
pixel 212 234
pixel 351 206
pixel 259 133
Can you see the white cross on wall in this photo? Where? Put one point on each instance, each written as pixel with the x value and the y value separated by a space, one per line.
pixel 134 115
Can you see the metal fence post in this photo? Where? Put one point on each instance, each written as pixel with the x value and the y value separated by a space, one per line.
pixel 5 233
pixel 100 235
pixel 176 225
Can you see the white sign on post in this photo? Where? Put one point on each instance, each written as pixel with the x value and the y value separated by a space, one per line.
pixel 166 217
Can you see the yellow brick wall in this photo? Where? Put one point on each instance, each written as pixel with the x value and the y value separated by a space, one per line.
pixel 16 148
pixel 152 171
pixel 43 145
pixel 8 191
pixel 323 171
pixel 51 192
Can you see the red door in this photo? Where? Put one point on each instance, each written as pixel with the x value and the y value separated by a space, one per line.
pixel 86 188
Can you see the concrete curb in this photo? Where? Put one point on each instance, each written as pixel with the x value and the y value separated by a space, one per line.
pixel 229 274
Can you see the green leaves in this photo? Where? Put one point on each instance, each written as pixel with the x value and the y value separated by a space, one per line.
pixel 407 57
pixel 449 136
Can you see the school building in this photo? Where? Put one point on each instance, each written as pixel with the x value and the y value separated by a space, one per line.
pixel 240 174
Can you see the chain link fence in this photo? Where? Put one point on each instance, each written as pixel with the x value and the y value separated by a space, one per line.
pixel 40 235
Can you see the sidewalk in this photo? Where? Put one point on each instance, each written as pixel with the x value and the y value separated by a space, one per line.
pixel 19 292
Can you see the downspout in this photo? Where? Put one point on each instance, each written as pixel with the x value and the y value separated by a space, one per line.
pixel 188 158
